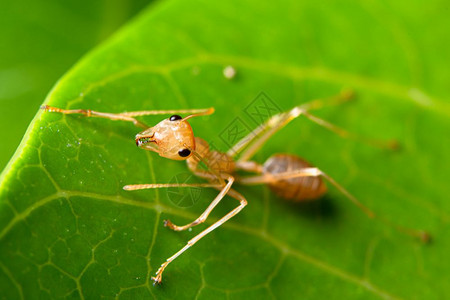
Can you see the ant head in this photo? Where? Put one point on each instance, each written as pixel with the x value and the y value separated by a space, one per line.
pixel 171 138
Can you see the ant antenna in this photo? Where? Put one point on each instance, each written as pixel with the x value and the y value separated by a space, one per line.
pixel 207 111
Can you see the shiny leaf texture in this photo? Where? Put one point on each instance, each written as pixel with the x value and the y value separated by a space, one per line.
pixel 68 230
pixel 40 41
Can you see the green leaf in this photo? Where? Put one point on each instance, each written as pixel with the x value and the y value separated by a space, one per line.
pixel 69 230
pixel 39 44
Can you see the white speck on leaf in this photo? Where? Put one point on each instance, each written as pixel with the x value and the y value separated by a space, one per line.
pixel 229 72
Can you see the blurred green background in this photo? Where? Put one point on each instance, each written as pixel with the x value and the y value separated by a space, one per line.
pixel 40 41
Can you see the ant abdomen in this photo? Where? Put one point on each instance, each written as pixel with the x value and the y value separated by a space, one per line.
pixel 297 188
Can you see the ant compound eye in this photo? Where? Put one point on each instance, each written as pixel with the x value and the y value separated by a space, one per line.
pixel 184 152
pixel 175 117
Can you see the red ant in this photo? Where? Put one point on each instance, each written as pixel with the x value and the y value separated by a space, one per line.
pixel 288 175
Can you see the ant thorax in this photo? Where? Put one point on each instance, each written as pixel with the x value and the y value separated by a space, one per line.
pixel 215 161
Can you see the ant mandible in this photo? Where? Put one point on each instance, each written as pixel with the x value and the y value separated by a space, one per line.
pixel 287 175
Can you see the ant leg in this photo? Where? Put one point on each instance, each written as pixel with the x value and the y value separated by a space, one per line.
pixel 135 187
pixel 127 116
pixel 202 218
pixel 223 191
pixel 304 172
pixel 307 172
pixel 278 121
pixel 258 137
pixel 232 193
pixel 91 113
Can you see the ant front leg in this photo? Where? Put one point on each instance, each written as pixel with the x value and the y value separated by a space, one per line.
pixel 224 191
pixel 202 218
pixel 242 204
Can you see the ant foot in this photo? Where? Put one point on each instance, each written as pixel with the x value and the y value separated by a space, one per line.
pixel 168 223
pixel 158 277
pixel 156 280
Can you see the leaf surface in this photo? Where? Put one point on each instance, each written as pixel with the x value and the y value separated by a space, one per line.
pixel 69 230
pixel 39 44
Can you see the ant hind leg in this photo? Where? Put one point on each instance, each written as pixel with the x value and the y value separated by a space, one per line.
pixel 307 172
pixel 251 143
